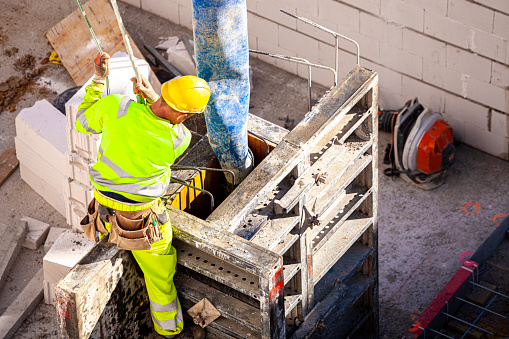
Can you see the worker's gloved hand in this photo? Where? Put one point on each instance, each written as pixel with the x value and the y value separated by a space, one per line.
pixel 101 68
pixel 146 90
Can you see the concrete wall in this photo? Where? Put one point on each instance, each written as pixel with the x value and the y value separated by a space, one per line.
pixel 452 54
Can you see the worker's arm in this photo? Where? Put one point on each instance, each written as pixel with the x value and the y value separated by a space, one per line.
pixel 89 118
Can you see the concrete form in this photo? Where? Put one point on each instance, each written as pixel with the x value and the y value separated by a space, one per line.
pixel 10 245
pixel 263 254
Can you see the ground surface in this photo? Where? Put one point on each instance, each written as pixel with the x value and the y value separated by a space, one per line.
pixel 421 234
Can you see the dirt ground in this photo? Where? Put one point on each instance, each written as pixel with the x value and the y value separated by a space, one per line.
pixel 421 234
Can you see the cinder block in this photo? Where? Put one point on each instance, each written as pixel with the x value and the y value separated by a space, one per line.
pixel 186 15
pixel 403 13
pixel 266 46
pixel 500 5
pixel 53 195
pixel 487 94
pixel 42 128
pixel 486 141
pixel 53 234
pixel 471 13
pixel 424 46
pixel 67 250
pixel 370 6
pixel 499 75
pixel 263 28
pixel 335 12
pixel 401 60
pixel 430 97
pixel 466 110
pixel 445 78
pixel 22 306
pixel 55 176
pixel 488 45
pixel 447 29
pixel 305 46
pixel 306 7
pixel 469 63
pixel 78 168
pixel 395 35
pixel 178 56
pixel 168 10
pixel 500 124
pixel 10 244
pixel 436 6
pixel 75 212
pixel 388 78
pixel 389 100
pixel 373 26
pixel 78 192
pixel 49 293
pixel 270 10
pixel 135 3
pixel 501 25
pixel 37 233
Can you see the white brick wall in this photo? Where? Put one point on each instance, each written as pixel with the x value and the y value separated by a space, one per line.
pixel 452 54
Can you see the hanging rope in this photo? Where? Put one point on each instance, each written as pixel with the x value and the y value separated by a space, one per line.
pixel 139 97
pixel 96 42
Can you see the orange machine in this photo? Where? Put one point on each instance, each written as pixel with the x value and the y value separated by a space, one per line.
pixel 421 148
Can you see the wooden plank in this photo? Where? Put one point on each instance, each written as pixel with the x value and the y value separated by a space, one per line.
pixel 8 164
pixel 217 269
pixel 12 318
pixel 229 307
pixel 75 46
pixel 338 244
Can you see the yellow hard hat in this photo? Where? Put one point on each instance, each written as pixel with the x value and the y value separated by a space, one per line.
pixel 187 94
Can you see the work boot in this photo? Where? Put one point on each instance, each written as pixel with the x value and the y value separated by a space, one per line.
pixel 191 331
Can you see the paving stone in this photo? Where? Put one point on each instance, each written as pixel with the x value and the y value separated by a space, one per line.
pixel 11 237
pixel 37 233
pixel 22 306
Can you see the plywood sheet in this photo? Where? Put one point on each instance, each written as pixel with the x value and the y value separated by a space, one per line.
pixel 75 46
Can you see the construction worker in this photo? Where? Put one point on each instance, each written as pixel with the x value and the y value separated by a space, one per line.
pixel 139 143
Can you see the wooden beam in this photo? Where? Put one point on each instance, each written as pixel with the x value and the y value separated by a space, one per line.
pixel 8 164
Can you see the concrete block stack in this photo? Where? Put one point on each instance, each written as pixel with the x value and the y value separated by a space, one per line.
pixel 41 148
pixel 67 250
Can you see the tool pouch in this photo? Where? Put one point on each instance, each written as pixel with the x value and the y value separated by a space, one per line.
pixel 91 223
pixel 136 230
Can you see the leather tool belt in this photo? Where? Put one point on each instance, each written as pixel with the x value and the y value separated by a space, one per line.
pixel 130 230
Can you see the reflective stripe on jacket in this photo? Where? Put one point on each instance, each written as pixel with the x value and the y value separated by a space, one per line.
pixel 137 147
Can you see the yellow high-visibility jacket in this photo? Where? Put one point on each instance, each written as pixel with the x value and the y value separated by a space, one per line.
pixel 137 147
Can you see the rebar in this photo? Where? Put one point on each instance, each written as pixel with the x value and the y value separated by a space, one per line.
pixel 336 36
pixel 178 167
pixel 442 334
pixel 300 61
pixel 467 323
pixel 482 308
pixel 481 286
pixel 182 182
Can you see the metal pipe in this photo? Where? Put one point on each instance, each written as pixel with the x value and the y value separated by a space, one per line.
pixel 262 139
pixel 178 181
pixel 300 61
pixel 482 308
pixel 335 34
pixel 218 170
pixel 466 322
pixel 481 286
